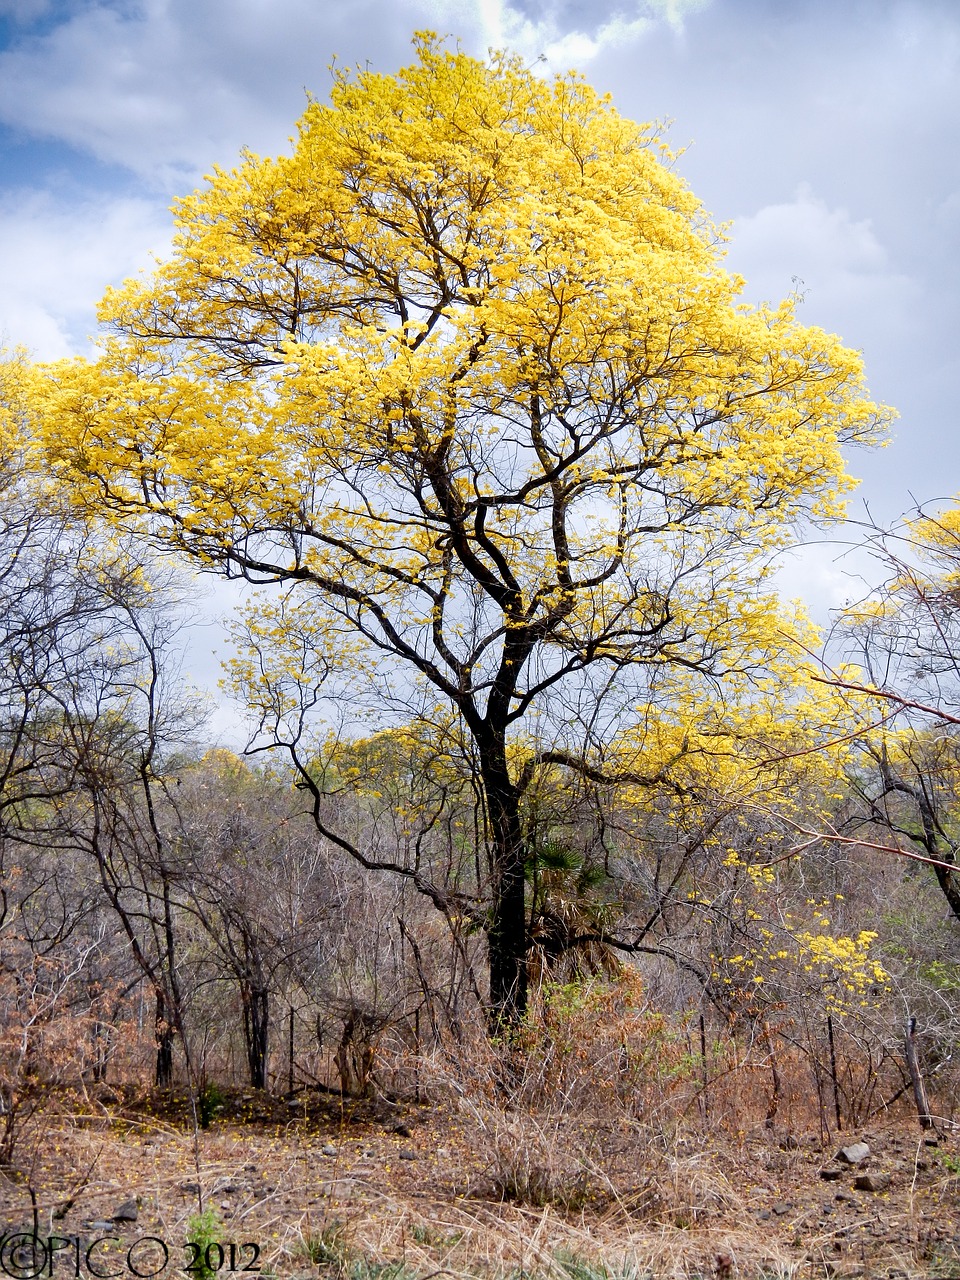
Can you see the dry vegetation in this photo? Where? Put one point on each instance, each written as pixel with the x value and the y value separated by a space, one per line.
pixel 469 1183
pixel 654 1117
pixel 664 1115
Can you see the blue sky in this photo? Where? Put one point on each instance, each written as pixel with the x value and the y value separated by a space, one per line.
pixel 826 133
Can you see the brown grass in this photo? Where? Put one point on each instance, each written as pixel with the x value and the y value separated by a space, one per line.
pixel 598 1145
pixel 492 1191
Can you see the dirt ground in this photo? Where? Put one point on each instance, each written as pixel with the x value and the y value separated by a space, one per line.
pixel 311 1188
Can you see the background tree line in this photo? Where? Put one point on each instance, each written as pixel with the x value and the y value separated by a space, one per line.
pixel 465 382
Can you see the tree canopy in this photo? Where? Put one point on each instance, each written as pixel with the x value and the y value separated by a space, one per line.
pixel 466 374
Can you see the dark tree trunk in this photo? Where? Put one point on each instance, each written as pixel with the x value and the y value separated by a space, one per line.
pixel 949 884
pixel 507 934
pixel 947 876
pixel 164 1034
pixel 256 1030
pixel 947 879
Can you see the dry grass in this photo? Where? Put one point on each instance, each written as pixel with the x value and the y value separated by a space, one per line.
pixel 576 1154
pixel 642 1208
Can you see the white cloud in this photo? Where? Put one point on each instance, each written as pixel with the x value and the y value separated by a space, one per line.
pixel 507 28
pixel 167 88
pixel 835 261
pixel 828 574
pixel 565 40
pixel 827 238
pixel 56 259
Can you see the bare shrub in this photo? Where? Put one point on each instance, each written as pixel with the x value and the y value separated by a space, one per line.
pixel 688 1190
pixel 530 1160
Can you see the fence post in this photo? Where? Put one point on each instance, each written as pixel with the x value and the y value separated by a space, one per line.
pixel 290 1057
pixel 703 1068
pixel 833 1072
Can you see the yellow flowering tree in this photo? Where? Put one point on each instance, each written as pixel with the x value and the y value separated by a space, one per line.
pixel 465 374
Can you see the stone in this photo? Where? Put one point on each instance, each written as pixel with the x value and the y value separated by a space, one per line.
pixel 855 1154
pixel 127 1212
pixel 328 1149
pixel 408 1155
pixel 783 1207
pixel 871 1182
pixel 831 1173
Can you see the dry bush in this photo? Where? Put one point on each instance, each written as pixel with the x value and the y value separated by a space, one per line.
pixel 586 1105
pixel 532 1160
pixel 540 1161
pixel 589 1048
pixel 687 1190
pixel 55 1027
pixel 598 1046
